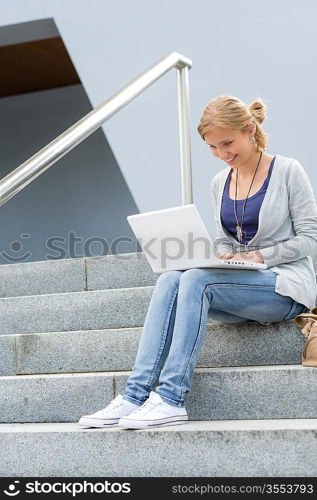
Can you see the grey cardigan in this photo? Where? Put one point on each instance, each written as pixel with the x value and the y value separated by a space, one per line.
pixel 287 230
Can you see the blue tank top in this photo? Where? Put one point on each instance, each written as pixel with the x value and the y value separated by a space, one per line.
pixel 251 212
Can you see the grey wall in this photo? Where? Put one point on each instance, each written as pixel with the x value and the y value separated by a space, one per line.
pixel 28 31
pixel 244 48
pixel 82 196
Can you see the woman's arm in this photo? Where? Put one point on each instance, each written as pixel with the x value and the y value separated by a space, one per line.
pixel 303 211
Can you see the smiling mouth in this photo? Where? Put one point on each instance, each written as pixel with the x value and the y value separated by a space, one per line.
pixel 232 160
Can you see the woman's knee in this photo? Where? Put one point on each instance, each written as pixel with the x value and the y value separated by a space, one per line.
pixel 169 277
pixel 196 277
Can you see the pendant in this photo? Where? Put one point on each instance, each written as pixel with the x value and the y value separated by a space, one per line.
pixel 239 233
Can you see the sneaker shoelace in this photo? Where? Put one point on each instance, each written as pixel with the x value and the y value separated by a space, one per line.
pixel 147 406
pixel 111 406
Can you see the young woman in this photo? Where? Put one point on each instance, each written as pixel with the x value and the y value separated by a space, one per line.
pixel 265 211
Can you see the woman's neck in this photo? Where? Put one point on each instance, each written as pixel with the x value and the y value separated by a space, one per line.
pixel 247 170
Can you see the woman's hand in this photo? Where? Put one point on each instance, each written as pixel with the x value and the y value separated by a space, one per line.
pixel 254 256
pixel 226 256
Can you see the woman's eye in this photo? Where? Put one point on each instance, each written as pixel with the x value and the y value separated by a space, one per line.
pixel 226 144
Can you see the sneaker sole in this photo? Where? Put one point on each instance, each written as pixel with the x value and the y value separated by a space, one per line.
pixel 144 424
pixel 91 422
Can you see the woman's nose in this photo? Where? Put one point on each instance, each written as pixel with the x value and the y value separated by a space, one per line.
pixel 223 156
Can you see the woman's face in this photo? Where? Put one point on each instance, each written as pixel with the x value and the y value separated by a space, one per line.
pixel 226 144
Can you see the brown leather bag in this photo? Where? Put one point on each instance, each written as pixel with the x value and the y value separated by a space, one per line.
pixel 308 322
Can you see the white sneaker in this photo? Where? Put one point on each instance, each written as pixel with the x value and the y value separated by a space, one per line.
pixel 110 415
pixel 154 412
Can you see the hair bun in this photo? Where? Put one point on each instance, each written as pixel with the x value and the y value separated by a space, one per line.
pixel 258 109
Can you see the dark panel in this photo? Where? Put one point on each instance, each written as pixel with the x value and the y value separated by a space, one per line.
pixel 37 65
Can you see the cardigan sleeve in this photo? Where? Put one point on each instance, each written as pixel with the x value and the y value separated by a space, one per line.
pixel 221 243
pixel 303 213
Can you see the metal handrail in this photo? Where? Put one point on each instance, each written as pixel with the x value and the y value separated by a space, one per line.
pixel 16 180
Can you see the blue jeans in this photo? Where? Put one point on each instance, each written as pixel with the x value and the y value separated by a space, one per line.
pixel 175 324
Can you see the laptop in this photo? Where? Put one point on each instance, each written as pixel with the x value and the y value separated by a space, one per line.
pixel 175 239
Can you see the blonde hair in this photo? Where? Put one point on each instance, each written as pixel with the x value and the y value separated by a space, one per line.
pixel 227 111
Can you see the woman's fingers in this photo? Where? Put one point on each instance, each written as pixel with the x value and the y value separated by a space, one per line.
pixel 226 256
pixel 249 256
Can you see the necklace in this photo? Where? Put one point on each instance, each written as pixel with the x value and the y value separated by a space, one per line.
pixel 239 225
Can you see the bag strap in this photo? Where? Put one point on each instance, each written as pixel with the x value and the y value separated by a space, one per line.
pixel 306 320
pixel 300 318
pixel 309 314
pixel 304 351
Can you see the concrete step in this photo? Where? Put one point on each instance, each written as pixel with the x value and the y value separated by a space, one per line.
pixel 75 275
pixel 281 391
pixel 241 344
pixel 126 270
pixel 36 278
pixel 79 274
pixel 78 311
pixel 228 448
pixel 99 309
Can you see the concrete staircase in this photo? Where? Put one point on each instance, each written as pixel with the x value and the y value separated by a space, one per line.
pixel 69 335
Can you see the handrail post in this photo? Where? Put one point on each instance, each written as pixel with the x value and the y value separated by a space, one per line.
pixel 184 135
